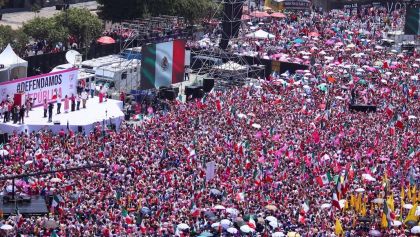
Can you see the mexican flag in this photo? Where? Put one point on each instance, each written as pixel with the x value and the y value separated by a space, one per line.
pixel 163 64
pixel 324 179
pixel 335 201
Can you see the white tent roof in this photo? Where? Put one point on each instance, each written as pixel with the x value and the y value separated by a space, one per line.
pixel 10 59
pixel 260 34
pixel 231 66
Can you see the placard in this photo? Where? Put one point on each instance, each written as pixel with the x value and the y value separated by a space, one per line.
pixel 41 87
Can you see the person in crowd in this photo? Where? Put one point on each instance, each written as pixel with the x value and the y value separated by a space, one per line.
pixel 101 94
pixel 92 89
pixel 122 98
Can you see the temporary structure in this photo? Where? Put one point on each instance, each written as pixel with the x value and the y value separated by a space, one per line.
pixel 11 65
pixel 260 34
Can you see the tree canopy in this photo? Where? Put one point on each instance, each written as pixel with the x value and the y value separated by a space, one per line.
pixel 192 10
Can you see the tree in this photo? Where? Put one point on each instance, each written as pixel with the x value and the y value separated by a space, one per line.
pixel 41 28
pixel 6 35
pixel 20 41
pixel 81 24
pixel 132 9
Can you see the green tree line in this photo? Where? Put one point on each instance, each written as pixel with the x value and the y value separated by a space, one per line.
pixel 191 10
pixel 76 22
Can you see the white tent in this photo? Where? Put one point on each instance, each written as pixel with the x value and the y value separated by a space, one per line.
pixel 12 66
pixel 260 34
pixel 231 66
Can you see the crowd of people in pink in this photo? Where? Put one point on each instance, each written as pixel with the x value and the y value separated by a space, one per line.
pixel 279 157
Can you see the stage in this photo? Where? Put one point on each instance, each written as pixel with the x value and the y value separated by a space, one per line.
pixel 36 207
pixel 106 112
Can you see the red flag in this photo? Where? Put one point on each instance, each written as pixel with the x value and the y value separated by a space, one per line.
pixel 399 125
pixel 315 136
pixel 218 105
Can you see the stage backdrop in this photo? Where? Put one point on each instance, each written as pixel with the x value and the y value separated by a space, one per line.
pixel 162 64
pixel 42 86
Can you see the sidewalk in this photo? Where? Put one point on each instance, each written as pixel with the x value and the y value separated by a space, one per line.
pixel 16 19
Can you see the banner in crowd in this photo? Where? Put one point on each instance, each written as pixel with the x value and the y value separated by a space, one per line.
pixel 163 64
pixel 45 86
pixel 210 170
pixel 412 21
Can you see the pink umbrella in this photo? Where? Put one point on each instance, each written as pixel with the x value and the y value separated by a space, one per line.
pixel 329 42
pixel 314 34
pixel 245 17
pixel 259 14
pixel 278 15
pixel 105 40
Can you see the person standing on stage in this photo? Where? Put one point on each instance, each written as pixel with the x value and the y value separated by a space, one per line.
pixel 58 103
pixel 15 113
pixel 28 106
pixel 50 111
pixel 5 109
pixel 45 108
pixel 92 89
pixel 66 104
pixel 85 96
pixel 78 102
pixel 22 114
pixel 73 102
pixel 101 95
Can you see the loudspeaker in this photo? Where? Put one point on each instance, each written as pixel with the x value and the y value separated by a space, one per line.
pixel 170 94
pixel 208 84
pixel 4 138
pixel 80 129
pixel 198 93
pixel 412 21
pixel 363 108
pixel 189 90
pixel 232 14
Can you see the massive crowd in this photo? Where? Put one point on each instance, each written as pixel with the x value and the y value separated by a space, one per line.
pixel 275 144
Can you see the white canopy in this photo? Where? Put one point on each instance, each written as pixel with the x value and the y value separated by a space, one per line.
pixel 231 66
pixel 260 34
pixel 14 66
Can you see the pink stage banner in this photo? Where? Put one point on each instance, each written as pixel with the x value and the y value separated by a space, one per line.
pixel 45 86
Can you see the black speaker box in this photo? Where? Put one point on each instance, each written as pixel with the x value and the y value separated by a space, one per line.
pixel 80 129
pixel 4 138
pixel 208 84
pixel 363 108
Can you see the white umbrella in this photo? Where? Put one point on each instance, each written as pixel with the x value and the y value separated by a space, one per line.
pixel 6 227
pixel 225 223
pixel 415 230
pixel 368 177
pixel 215 225
pixel 219 207
pixel 38 152
pixel 4 153
pixel 232 230
pixel 396 223
pixel 378 200
pixel 271 218
pixel 375 233
pixel 412 117
pixel 246 229
pixel 55 180
pixel 360 190
pixel 351 46
pixel 251 114
pixel 29 162
pixel 278 234
pixel 339 98
pixel 408 206
pixel 325 205
pixel 342 202
pixel 232 211
pixel 183 226
pixel 256 125
pixel 274 224
pixel 241 116
pixel 9 188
